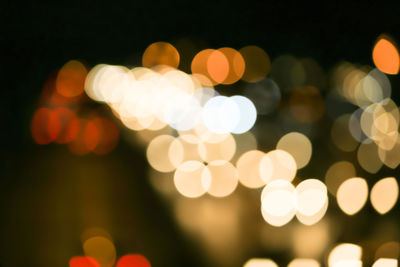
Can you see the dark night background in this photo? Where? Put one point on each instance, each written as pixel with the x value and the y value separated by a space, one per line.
pixel 40 208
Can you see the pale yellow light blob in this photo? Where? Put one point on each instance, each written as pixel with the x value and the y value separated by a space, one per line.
pixel 311 198
pixel 298 145
pixel 164 153
pixel 190 145
pixel 277 202
pixel 247 166
pixel 192 179
pixel 304 263
pixel 344 252
pixel 337 174
pixel 208 136
pixel 367 156
pixel 101 249
pixel 352 195
pixel 385 263
pixel 277 164
pixel 224 178
pixel 384 194
pixel 259 262
pixel 223 150
pixel 341 135
pixel 386 56
pixel 257 63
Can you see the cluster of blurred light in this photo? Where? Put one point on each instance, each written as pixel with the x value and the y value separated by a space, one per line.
pixel 100 251
pixel 57 121
pixel 227 65
pixel 375 125
pixel 342 255
pixel 281 201
pixel 152 98
pixel 352 194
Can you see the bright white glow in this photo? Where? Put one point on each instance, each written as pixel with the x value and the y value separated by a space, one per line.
pixel 248 114
pixel 311 198
pixel 277 202
pixel 345 252
pixel 221 114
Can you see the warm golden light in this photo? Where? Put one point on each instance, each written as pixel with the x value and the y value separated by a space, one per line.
pixel 236 65
pixel 101 249
pixel 258 262
pixel 298 145
pixel 164 153
pixel 352 195
pixel 218 66
pixel 223 150
pixel 247 166
pixel 303 263
pixel 160 53
pixel 257 63
pixel 224 178
pixel 367 156
pixel 384 194
pixel 337 174
pixel 311 198
pixel 385 263
pixel 192 179
pixel 277 202
pixel 345 254
pixel 277 164
pixel 386 55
